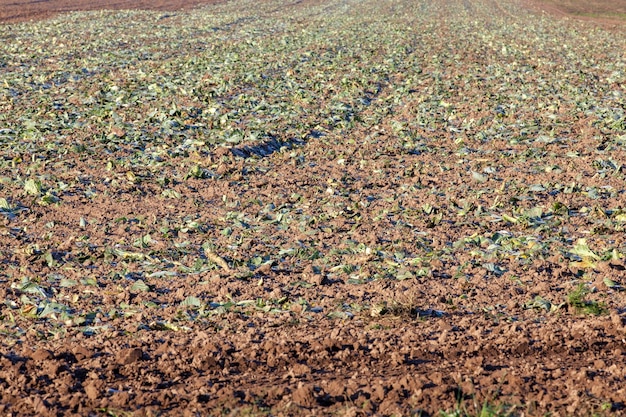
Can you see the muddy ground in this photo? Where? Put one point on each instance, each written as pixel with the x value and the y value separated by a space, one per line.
pixel 304 338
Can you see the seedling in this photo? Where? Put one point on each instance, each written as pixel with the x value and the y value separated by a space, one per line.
pixel 576 299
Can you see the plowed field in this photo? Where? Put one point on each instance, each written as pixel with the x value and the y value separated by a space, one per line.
pixel 356 207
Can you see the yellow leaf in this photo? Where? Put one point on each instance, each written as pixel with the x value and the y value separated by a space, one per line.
pixel 216 259
pixel 29 310
pixel 585 263
pixel 509 219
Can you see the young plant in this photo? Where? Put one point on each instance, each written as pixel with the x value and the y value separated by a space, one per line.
pixel 576 299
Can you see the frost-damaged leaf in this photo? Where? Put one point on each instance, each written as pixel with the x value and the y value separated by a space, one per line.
pixel 404 274
pixel 378 309
pixel 92 330
pixel 246 303
pixel 29 310
pixel 49 258
pixel 429 312
pixel 216 259
pixel 196 171
pixel 131 177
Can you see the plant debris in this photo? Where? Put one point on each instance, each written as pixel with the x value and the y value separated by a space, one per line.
pixel 360 207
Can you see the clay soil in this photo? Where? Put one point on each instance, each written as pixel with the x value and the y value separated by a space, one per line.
pixel 455 253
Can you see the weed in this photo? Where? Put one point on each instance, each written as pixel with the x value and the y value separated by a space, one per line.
pixel 576 299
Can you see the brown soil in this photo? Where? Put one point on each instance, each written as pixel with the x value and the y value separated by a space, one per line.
pixel 609 13
pixel 25 10
pixel 429 347
pixel 591 8
pixel 606 12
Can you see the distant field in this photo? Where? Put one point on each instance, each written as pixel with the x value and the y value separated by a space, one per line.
pixel 597 6
pixel 592 8
pixel 20 10
pixel 23 10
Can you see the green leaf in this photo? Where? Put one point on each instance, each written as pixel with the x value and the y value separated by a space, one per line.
pixel 479 177
pixel 166 325
pixel 494 269
pixel 610 283
pixel 30 287
pixel 48 199
pixel 161 274
pixel 124 254
pixel 582 250
pixel 191 301
pixel 144 241
pixel 50 260
pixel 90 281
pixel 67 283
pixel 539 303
pixel 140 286
pixel 33 187
pixel 509 219
pixel 169 193
pixel 47 308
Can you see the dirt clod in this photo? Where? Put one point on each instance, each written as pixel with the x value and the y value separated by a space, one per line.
pixel 129 356
pixel 41 355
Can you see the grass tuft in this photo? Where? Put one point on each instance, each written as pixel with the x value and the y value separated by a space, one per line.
pixel 576 299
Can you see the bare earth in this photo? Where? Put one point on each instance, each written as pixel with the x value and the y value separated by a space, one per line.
pixel 415 356
pixel 604 11
pixel 24 10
